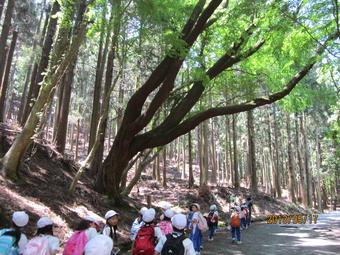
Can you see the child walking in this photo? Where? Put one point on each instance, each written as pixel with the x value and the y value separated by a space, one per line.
pixel 212 220
pixel 195 233
pixel 176 243
pixel 85 231
pixel 235 224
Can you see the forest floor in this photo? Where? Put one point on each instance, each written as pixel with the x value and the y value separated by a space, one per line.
pixel 46 176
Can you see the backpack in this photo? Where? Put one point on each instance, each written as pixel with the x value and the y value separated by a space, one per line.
pixel 165 227
pixel 235 220
pixel 145 241
pixel 202 223
pixel 76 244
pixel 7 243
pixel 37 246
pixel 173 245
pixel 246 212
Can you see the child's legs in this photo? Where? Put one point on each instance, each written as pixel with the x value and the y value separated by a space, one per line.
pixel 196 239
pixel 233 229
pixel 243 222
pixel 238 234
pixel 211 232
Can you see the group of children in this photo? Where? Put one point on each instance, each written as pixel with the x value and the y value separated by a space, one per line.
pixel 85 240
pixel 168 236
pixel 240 219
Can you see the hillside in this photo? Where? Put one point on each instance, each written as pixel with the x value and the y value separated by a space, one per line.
pixel 46 175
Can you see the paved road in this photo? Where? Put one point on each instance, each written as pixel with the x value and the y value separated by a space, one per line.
pixel 322 238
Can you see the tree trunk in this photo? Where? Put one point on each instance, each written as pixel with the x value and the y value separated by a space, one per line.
pixel 184 156
pixel 39 69
pixel 4 82
pixel 292 195
pixel 251 151
pixel 2 4
pixel 236 181
pixel 306 160
pixel 302 182
pixel 98 84
pixel 204 154
pixel 64 100
pixel 276 148
pixel 191 173
pixel 164 168
pixel 4 36
pixel 318 169
pixel 143 164
pixel 96 163
pixel 213 153
pixel 11 160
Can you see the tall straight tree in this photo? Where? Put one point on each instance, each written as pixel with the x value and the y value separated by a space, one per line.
pixel 4 81
pixel 65 92
pixel 10 162
pixel 40 68
pixel 4 36
pixel 251 151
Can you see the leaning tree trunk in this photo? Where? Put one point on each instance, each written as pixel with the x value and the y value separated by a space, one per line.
pixel 4 82
pixel 11 160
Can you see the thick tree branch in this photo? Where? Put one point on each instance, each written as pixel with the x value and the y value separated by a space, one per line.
pixel 154 140
pixel 194 94
pixel 168 67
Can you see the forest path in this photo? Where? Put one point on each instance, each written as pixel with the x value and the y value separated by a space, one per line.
pixel 293 239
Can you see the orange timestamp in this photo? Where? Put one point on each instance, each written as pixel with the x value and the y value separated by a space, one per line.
pixel 294 219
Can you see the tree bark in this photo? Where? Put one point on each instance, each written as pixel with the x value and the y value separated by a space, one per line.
pixel 39 69
pixel 213 153
pixel 251 151
pixel 306 160
pixel 4 36
pixel 2 4
pixel 191 173
pixel 236 181
pixel 5 79
pixel 164 168
pixel 276 147
pixel 98 84
pixel 292 187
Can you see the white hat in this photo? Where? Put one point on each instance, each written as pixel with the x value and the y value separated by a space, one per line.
pixel 149 215
pixel 43 222
pixel 169 213
pixel 179 221
pixel 142 210
pixel 153 211
pixel 110 214
pixel 213 207
pixel 197 205
pixel 20 218
pixel 99 245
pixel 91 219
pixel 237 208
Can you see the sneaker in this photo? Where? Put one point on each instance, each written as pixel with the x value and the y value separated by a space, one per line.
pixel 212 239
pixel 198 253
pixel 239 242
pixel 233 240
